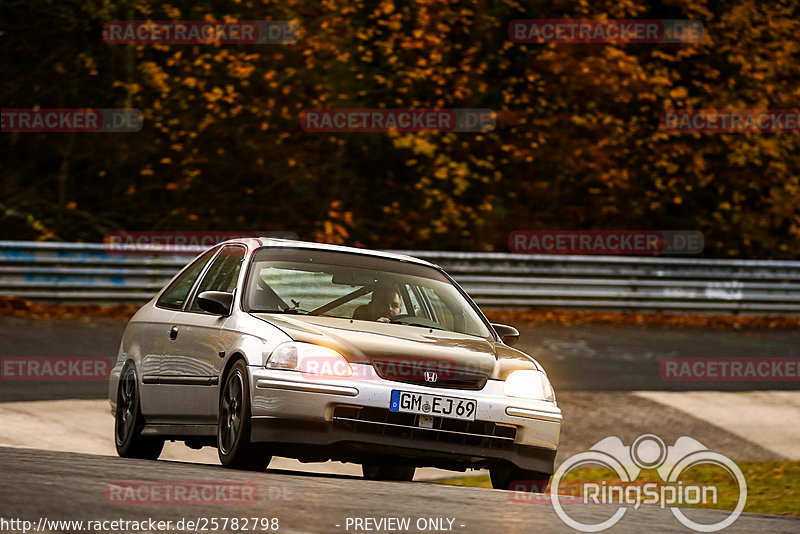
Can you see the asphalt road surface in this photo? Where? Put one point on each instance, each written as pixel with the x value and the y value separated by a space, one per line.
pixel 608 382
pixel 66 486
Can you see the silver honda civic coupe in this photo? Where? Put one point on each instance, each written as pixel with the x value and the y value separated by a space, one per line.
pixel 267 347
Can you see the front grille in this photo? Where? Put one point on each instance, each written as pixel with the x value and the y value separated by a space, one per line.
pixel 430 373
pixel 383 422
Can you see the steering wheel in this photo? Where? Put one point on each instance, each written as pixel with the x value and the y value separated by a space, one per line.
pixel 402 316
pixel 415 321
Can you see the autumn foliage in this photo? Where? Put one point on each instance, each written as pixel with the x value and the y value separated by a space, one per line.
pixel 577 143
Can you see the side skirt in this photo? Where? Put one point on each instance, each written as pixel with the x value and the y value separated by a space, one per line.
pixel 178 431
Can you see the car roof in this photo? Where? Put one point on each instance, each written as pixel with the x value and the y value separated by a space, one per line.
pixel 261 242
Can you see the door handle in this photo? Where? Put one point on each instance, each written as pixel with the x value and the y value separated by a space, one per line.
pixel 173 333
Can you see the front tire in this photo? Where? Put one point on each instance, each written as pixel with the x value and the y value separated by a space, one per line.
pixel 129 422
pixel 509 477
pixel 233 428
pixel 397 473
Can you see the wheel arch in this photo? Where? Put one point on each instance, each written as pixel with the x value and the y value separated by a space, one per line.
pixel 116 379
pixel 234 357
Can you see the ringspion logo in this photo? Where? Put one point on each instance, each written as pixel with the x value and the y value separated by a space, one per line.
pixel 648 452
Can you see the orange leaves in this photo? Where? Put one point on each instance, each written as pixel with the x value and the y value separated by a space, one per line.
pixel 155 76
pixel 240 70
pixel 577 126
pixel 386 7
pixel 335 229
pixel 679 93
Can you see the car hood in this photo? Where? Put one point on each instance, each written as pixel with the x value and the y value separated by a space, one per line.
pixel 368 341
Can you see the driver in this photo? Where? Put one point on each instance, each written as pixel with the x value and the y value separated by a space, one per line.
pixel 385 304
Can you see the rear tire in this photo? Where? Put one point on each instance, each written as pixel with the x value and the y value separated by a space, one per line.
pixel 513 478
pixel 128 421
pixel 233 428
pixel 397 473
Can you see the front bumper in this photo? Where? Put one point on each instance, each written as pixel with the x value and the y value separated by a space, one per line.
pixel 352 414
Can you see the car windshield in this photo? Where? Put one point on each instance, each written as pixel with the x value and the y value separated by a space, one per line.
pixel 359 287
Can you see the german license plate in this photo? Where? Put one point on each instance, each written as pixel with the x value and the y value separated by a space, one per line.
pixel 421 403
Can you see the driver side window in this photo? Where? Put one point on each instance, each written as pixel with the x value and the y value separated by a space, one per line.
pixel 175 295
pixel 223 273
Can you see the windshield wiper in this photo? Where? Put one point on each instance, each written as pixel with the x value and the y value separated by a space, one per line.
pixel 425 326
pixel 418 324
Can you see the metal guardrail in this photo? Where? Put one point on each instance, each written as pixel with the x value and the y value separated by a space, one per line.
pixel 74 272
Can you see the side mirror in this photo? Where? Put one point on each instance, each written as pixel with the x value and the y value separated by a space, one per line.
pixel 216 302
pixel 508 334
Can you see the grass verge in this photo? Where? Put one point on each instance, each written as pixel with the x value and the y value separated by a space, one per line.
pixel 772 487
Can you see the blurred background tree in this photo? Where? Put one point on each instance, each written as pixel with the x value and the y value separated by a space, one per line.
pixel 577 143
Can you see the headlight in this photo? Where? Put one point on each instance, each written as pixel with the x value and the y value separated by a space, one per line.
pixel 308 358
pixel 529 384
